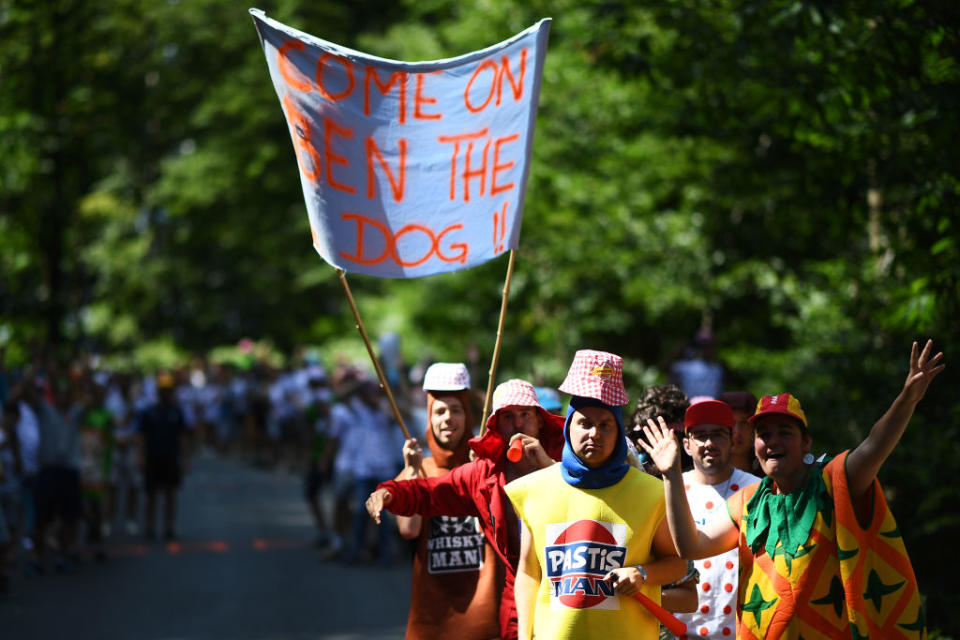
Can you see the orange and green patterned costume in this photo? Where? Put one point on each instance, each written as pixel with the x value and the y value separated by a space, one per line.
pixel 845 581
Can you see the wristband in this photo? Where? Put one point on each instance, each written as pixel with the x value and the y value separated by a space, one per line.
pixel 643 572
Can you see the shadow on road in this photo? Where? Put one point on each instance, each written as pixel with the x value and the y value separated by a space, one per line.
pixel 242 567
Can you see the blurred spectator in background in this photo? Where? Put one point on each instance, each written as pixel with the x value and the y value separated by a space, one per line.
pixel 697 373
pixel 164 440
pixel 28 439
pixel 11 471
pixel 58 481
pixel 320 463
pixel 125 482
pixel 371 444
pixel 96 429
pixel 549 399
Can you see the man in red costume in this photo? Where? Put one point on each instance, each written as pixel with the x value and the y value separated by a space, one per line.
pixel 476 488
pixel 455 590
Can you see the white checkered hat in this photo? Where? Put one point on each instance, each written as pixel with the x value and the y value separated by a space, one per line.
pixel 446 376
pixel 597 375
pixel 514 392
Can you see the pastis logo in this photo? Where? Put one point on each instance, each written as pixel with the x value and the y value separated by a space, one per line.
pixel 578 555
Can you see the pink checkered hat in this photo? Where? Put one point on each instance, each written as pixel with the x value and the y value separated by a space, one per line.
pixel 597 375
pixel 446 376
pixel 514 392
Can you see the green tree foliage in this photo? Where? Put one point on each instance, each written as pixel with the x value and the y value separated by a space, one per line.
pixel 781 172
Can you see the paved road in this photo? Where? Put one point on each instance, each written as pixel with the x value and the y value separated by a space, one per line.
pixel 243 569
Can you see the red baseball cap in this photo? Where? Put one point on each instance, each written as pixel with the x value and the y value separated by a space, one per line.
pixel 708 412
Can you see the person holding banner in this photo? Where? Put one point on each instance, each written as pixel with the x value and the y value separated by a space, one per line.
pixel 821 555
pixel 456 576
pixel 477 488
pixel 593 528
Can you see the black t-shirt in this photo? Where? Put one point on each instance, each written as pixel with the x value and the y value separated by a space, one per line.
pixel 162 427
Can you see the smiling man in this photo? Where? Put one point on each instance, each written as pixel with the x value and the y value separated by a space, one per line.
pixel 708 440
pixel 593 531
pixel 821 554
pixel 455 587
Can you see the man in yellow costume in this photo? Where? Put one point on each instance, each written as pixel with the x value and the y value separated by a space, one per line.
pixel 820 553
pixel 593 531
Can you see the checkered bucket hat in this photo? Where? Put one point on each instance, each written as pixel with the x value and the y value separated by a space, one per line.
pixel 597 375
pixel 446 376
pixel 514 392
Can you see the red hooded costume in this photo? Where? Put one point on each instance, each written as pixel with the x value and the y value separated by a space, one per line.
pixel 455 591
pixel 476 489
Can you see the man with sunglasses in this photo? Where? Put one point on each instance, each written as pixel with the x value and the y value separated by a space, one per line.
pixel 708 439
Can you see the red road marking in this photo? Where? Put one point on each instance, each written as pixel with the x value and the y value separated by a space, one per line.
pixel 208 546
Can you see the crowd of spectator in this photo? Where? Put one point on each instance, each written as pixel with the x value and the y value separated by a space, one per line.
pixel 87 453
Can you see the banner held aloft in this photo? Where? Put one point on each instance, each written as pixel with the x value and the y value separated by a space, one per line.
pixel 409 169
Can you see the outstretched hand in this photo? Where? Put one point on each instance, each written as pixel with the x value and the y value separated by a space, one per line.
pixel 923 369
pixel 377 501
pixel 865 461
pixel 661 445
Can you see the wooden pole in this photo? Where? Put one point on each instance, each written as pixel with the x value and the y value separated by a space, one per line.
pixel 496 346
pixel 373 357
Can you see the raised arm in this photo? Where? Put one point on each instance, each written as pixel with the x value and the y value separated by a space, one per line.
pixel 690 542
pixel 527 583
pixel 865 461
pixel 409 526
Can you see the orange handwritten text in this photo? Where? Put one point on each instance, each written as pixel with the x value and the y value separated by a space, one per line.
pixel 419 99
pixel 476 173
pixel 499 228
pixel 456 140
pixel 329 129
pixel 494 81
pixel 300 132
pixel 370 73
pixel 396 185
pixel 517 86
pixel 471 169
pixel 495 77
pixel 291 76
pixel 347 67
pixel 498 167
pixel 391 239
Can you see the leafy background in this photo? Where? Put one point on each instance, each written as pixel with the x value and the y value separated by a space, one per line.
pixel 784 173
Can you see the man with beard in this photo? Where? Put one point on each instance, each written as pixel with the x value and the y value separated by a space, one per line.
pixel 454 591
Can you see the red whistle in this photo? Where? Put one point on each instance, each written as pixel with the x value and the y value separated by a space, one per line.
pixel 515 452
